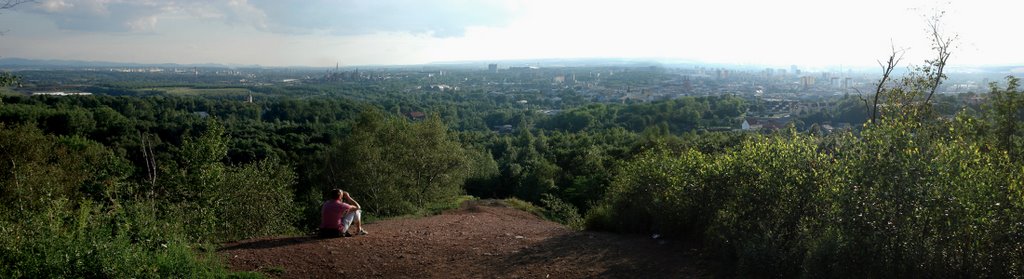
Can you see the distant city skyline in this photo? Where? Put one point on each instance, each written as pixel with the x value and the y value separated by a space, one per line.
pixel 320 33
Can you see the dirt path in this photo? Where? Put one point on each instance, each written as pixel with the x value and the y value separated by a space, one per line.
pixel 482 240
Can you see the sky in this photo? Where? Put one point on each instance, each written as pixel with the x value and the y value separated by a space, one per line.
pixel 321 33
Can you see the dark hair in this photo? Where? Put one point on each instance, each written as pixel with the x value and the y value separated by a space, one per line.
pixel 334 194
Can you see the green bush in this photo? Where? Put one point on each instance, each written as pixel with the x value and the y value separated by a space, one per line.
pixel 68 211
pixel 396 167
pixel 562 212
pixel 216 202
pixel 524 206
pixel 37 168
pixel 75 239
pixel 600 217
pixel 661 192
pixel 774 200
pixel 256 200
pixel 915 206
pixel 455 203
pixel 901 199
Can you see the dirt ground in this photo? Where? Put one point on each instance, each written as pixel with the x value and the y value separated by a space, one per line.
pixel 481 240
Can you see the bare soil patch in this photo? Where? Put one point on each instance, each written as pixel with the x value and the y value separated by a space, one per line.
pixel 484 239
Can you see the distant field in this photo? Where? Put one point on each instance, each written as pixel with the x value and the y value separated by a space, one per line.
pixel 7 91
pixel 201 91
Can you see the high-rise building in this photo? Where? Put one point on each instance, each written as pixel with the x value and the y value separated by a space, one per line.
pixel 492 67
pixel 559 79
pixel 807 82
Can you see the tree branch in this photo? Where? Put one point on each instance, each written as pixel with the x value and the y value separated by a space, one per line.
pixel 887 68
pixel 941 47
pixel 867 106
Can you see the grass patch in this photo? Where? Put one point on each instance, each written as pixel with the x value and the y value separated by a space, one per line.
pixel 6 91
pixel 429 210
pixel 524 206
pixel 274 270
pixel 554 210
pixel 455 203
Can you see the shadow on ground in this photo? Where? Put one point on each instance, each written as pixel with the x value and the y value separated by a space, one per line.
pixel 268 243
pixel 604 255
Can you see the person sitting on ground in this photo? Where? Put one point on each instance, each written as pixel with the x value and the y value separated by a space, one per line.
pixel 355 214
pixel 337 216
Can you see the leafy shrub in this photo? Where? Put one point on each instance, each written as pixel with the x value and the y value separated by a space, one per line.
pixel 69 211
pixel 915 206
pixel 775 186
pixel 396 167
pixel 562 212
pixel 662 192
pixel 83 239
pixel 902 199
pixel 524 206
pixel 37 168
pixel 256 200
pixel 437 208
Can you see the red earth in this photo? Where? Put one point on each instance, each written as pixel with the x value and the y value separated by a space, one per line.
pixel 483 239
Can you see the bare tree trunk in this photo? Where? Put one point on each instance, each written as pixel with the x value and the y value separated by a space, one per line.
pixel 150 158
pixel 152 163
pixel 145 157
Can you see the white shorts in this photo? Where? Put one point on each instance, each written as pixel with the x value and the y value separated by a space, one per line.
pixel 347 220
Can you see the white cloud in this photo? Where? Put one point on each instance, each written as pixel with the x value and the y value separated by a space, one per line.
pixel 142 23
pixel 143 15
pixel 320 32
pixel 56 5
pixel 441 18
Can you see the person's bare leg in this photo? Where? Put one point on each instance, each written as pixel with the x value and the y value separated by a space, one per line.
pixel 359 223
pixel 347 221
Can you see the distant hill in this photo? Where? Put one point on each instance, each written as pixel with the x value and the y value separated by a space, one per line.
pixel 12 63
pixel 566 62
pixel 1002 69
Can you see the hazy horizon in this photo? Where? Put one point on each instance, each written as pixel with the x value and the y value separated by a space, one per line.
pixel 322 33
